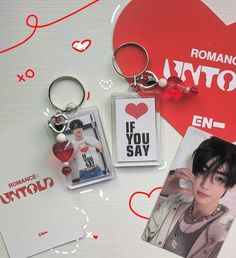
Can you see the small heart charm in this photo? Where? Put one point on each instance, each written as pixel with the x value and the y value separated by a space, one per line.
pixel 174 81
pixel 58 123
pixel 175 88
pixel 63 150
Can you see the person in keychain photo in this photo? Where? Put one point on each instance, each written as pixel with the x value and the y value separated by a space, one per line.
pixel 191 221
pixel 86 149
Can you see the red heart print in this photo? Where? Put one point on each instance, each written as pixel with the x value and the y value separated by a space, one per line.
pixel 136 110
pixel 63 151
pixel 84 149
pixel 186 39
pixel 142 193
pixel 81 46
pixel 95 237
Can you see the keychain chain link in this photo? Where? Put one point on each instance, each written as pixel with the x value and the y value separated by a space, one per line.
pixel 59 121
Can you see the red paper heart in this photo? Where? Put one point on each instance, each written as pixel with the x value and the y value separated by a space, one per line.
pixel 136 110
pixel 176 37
pixel 142 193
pixel 81 46
pixel 84 149
pixel 63 151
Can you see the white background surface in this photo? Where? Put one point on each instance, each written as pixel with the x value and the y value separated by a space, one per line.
pixel 23 104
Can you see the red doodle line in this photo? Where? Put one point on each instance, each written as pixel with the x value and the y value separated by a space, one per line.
pixel 144 193
pixel 88 96
pixel 35 26
pixel 29 74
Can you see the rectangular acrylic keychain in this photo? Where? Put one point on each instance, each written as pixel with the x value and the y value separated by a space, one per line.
pixel 136 126
pixel 135 120
pixel 80 145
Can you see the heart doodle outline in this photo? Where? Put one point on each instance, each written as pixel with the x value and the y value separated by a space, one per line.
pixel 143 193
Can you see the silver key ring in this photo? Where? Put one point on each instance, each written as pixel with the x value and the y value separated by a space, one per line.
pixel 133 76
pixel 69 106
pixel 145 79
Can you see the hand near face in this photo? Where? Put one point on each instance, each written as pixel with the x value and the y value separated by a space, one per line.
pixel 172 183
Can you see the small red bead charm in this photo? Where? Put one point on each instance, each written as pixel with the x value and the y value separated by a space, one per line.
pixel 176 89
pixel 193 91
pixel 66 171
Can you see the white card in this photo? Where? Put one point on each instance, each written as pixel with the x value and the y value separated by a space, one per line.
pixel 37 212
pixel 135 130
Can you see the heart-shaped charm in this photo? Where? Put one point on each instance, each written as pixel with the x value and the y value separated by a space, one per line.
pixel 58 122
pixel 63 150
pixel 175 88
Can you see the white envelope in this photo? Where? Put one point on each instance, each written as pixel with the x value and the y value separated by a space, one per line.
pixel 42 214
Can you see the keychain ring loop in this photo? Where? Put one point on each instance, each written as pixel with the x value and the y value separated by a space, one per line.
pixel 131 44
pixel 69 106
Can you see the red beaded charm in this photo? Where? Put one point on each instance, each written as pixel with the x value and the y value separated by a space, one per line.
pixel 66 171
pixel 63 150
pixel 176 89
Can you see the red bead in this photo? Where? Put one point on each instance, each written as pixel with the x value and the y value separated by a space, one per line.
pixel 174 80
pixel 193 90
pixel 66 171
pixel 172 92
pixel 176 89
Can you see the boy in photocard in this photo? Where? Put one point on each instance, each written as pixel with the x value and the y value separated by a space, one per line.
pixel 189 218
pixel 86 149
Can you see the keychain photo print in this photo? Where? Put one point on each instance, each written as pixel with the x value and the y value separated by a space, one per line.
pixel 80 146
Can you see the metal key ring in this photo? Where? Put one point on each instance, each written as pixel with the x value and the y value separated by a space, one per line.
pixel 69 106
pixel 133 76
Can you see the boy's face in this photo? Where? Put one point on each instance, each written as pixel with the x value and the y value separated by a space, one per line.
pixel 78 132
pixel 208 189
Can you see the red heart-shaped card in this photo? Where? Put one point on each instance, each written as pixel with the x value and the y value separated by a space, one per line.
pixel 184 39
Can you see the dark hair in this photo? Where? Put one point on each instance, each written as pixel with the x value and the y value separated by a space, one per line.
pixel 74 124
pixel 220 152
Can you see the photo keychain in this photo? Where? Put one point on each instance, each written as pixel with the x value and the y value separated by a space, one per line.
pixel 80 145
pixel 136 120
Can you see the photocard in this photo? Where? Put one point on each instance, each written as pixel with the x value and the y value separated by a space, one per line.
pixel 195 209
pixel 90 161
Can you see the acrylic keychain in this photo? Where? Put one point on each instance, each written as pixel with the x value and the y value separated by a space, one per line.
pixel 80 146
pixel 136 122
